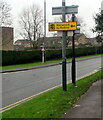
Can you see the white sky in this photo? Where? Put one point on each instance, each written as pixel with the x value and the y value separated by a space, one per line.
pixel 87 9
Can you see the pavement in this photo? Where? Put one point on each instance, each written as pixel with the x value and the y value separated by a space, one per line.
pixel 46 65
pixel 90 104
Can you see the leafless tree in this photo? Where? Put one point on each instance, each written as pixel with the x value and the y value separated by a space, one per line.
pixel 31 23
pixel 5 14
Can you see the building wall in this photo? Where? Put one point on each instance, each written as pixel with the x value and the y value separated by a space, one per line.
pixel 6 38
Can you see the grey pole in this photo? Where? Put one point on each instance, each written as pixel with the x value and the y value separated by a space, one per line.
pixel 44 28
pixel 44 18
pixel 63 49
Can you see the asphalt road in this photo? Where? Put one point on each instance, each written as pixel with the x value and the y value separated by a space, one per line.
pixel 22 84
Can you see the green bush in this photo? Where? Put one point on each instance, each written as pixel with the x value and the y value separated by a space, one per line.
pixel 20 57
pixel 53 54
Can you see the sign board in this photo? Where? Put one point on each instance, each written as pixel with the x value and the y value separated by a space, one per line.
pixel 66 26
pixel 68 10
pixel 101 5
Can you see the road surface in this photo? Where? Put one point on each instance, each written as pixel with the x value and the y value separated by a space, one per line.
pixel 19 85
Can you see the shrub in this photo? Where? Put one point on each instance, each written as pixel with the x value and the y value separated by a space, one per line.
pixel 20 57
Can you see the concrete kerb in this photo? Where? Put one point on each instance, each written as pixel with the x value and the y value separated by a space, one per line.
pixel 42 66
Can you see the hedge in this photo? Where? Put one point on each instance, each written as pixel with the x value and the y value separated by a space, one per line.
pixel 21 57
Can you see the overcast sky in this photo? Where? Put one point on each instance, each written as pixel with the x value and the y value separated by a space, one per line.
pixel 87 9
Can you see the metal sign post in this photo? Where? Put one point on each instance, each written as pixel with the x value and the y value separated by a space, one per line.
pixel 43 53
pixel 44 18
pixel 73 56
pixel 53 27
pixel 63 49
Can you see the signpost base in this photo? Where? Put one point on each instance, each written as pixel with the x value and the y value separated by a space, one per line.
pixel 64 75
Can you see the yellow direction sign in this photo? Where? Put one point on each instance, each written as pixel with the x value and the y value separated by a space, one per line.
pixel 66 26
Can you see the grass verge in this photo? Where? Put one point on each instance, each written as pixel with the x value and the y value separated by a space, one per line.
pixel 54 103
pixel 39 63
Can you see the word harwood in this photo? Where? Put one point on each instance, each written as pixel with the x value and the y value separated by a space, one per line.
pixel 66 26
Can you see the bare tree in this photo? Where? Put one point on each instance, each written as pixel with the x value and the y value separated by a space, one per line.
pixel 5 14
pixel 31 24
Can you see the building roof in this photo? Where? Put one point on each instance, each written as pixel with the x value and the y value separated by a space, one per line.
pixel 23 41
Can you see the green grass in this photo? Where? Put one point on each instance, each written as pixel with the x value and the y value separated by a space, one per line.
pixel 54 103
pixel 37 63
